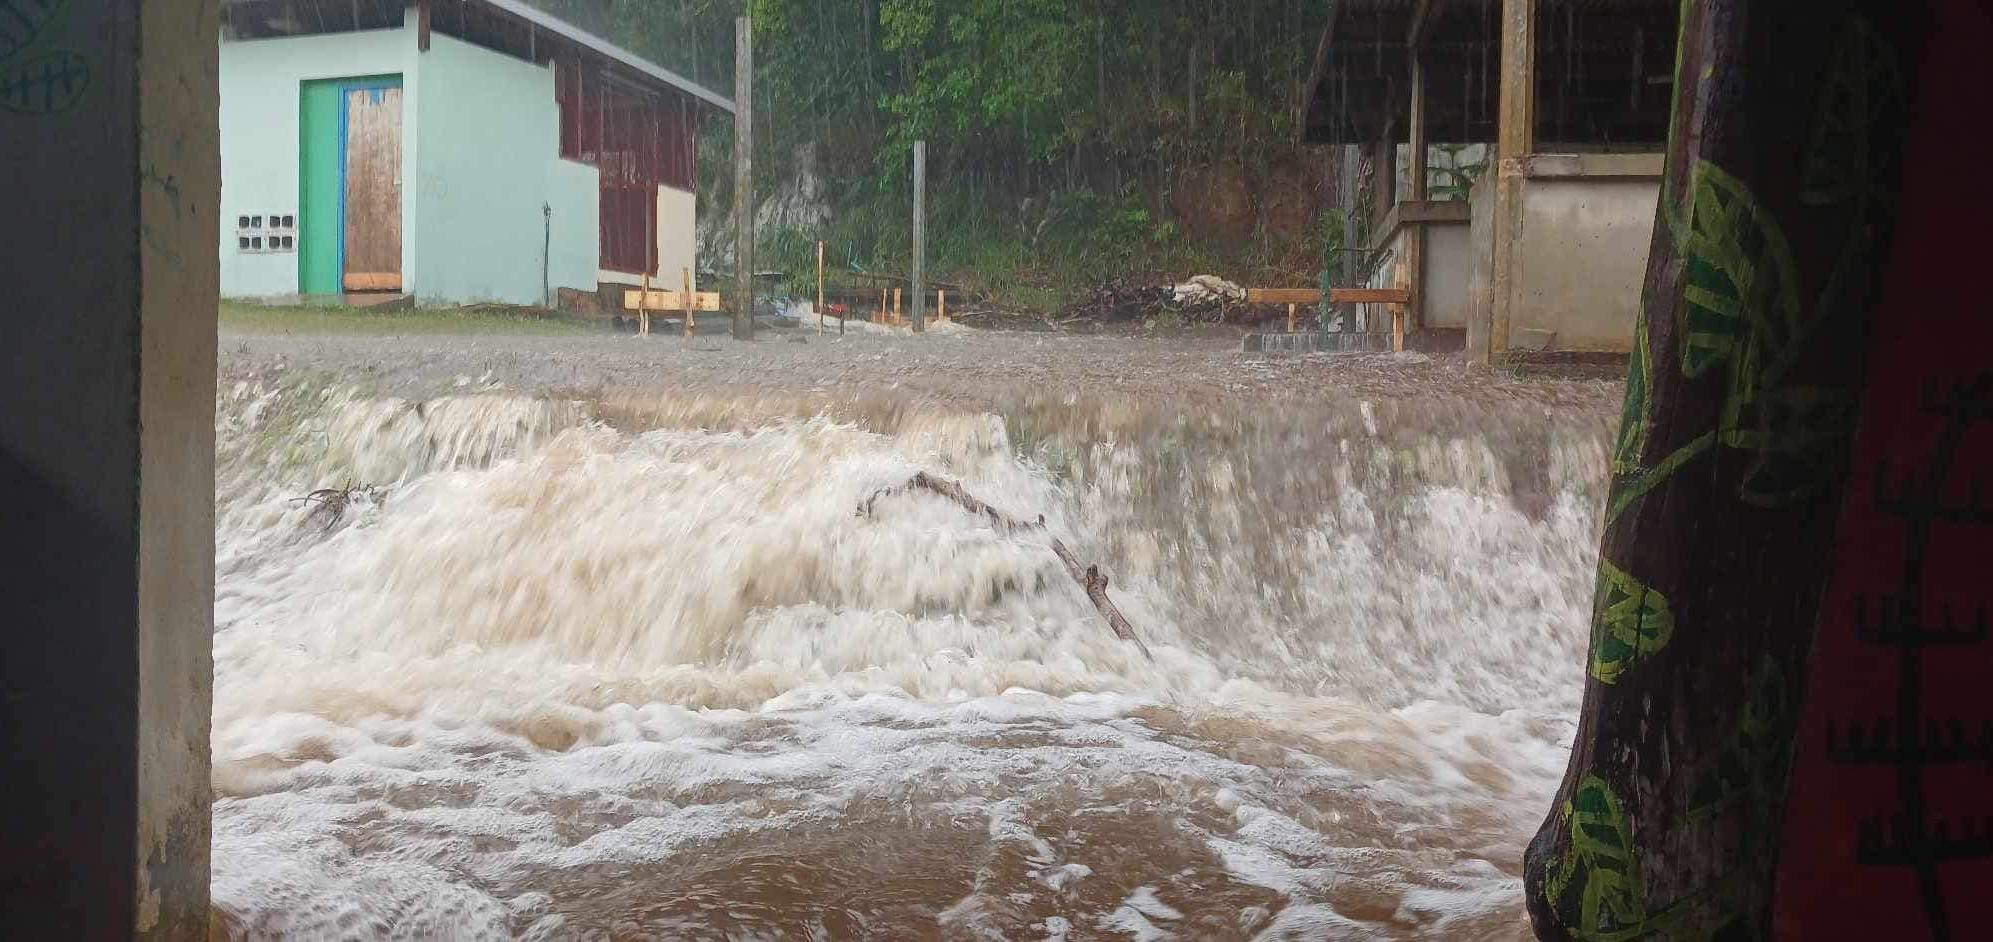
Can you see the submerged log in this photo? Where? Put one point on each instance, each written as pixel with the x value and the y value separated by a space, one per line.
pixel 1090 578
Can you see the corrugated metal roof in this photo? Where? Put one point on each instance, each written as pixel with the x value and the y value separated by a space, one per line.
pixel 306 17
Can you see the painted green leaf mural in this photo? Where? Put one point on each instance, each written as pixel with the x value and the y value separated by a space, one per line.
pixel 1598 881
pixel 1741 287
pixel 1631 623
pixel 1863 90
pixel 1637 417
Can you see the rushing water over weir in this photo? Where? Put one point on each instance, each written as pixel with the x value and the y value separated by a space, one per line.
pixel 635 668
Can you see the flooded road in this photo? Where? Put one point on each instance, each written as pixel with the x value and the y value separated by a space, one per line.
pixel 632 666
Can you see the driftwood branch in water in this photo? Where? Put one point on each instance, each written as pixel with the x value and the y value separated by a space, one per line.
pixel 1090 578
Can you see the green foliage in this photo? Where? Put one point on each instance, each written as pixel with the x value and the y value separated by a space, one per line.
pixel 1056 129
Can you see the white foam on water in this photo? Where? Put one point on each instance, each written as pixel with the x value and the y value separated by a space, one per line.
pixel 555 648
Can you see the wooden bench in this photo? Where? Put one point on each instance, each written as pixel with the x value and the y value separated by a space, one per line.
pixel 684 304
pixel 1398 298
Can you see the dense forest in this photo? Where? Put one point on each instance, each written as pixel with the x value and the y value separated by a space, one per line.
pixel 1068 140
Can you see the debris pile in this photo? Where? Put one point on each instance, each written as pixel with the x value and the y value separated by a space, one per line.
pixel 1204 299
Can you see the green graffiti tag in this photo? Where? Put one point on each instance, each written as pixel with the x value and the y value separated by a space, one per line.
pixel 35 79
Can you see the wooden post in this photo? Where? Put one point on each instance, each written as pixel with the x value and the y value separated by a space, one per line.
pixel 941 304
pixel 422 25
pixel 1352 172
pixel 643 309
pixel 1399 312
pixel 880 318
pixel 1383 177
pixel 691 307
pixel 1515 140
pixel 744 178
pixel 1291 311
pixel 820 299
pixel 898 316
pixel 919 235
pixel 1415 234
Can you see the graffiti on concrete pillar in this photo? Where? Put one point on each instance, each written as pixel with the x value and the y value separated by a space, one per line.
pixel 1920 833
pixel 36 76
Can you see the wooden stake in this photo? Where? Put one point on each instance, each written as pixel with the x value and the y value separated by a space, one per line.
pixel 820 310
pixel 1291 310
pixel 881 317
pixel 941 304
pixel 643 309
pixel 691 304
pixel 919 235
pixel 898 318
pixel 1398 314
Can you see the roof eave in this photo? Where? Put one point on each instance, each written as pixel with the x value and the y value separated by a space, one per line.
pixel 587 39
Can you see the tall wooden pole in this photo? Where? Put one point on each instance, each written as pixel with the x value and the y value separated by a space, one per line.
pixel 1415 235
pixel 1515 140
pixel 919 236
pixel 1352 170
pixel 744 178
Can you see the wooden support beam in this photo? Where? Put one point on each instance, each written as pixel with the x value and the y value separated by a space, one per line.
pixel 1417 157
pixel 1515 140
pixel 1383 176
pixel 1369 296
pixel 422 25
pixel 1413 270
pixel 663 301
pixel 1336 295
pixel 1283 295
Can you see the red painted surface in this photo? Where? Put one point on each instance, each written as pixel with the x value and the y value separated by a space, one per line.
pixel 638 142
pixel 1932 336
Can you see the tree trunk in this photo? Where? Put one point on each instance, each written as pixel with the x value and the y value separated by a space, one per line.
pixel 1729 468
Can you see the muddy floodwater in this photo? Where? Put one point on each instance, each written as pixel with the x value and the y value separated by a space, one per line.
pixel 620 659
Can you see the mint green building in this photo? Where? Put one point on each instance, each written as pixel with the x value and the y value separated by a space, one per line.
pixel 454 151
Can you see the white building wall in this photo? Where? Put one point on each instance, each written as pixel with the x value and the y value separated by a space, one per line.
pixel 259 81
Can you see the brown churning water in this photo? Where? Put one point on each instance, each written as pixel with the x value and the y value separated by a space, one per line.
pixel 635 668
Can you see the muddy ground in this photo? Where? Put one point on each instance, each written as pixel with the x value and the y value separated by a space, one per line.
pixel 959 366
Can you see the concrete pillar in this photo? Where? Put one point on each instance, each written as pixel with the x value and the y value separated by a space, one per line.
pixel 110 174
pixel 1515 140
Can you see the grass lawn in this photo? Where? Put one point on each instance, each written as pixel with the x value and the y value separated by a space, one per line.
pixel 337 319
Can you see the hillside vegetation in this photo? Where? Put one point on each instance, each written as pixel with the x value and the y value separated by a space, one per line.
pixel 1069 141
